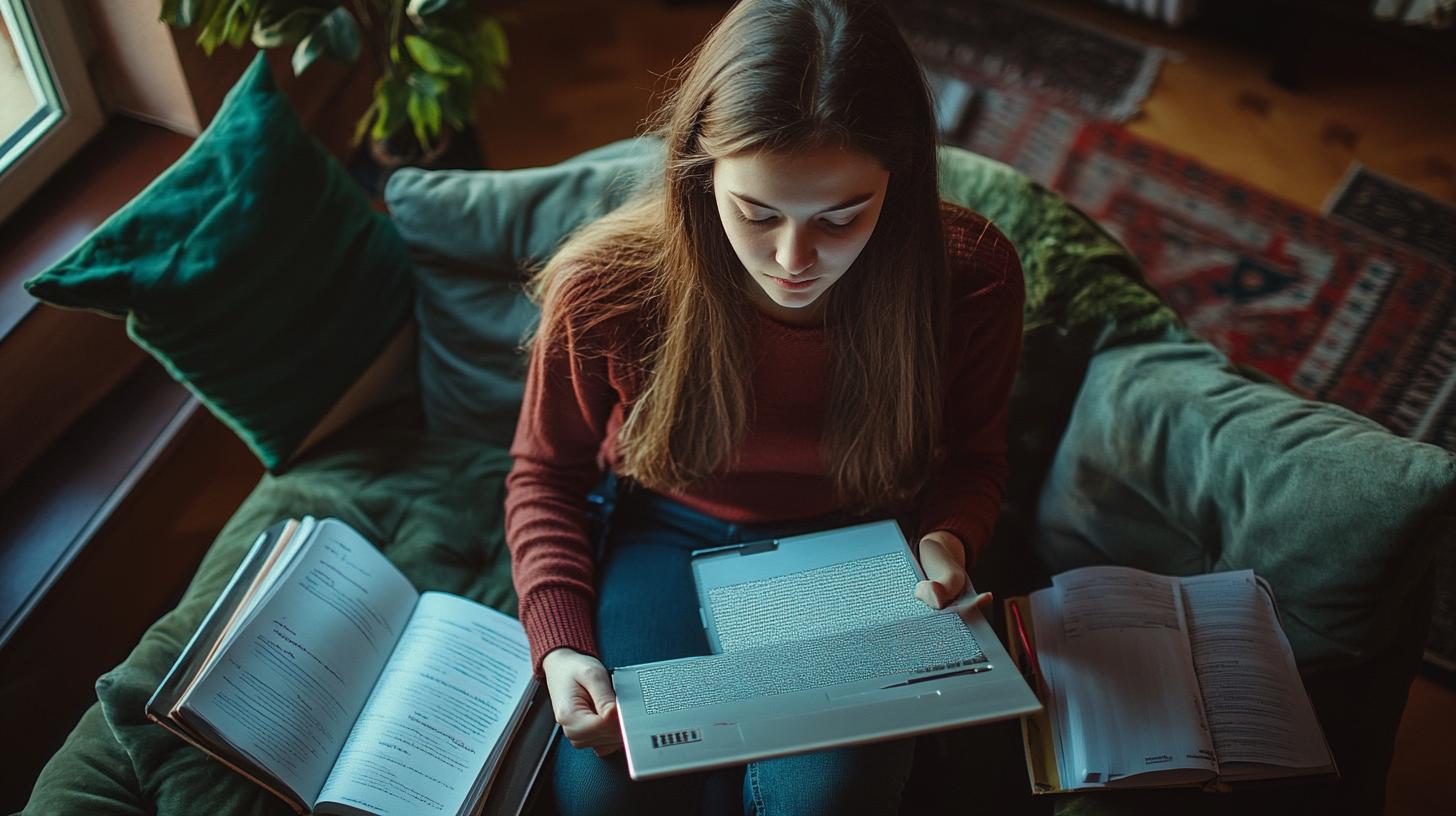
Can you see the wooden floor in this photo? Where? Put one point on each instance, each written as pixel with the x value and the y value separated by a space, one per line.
pixel 585 72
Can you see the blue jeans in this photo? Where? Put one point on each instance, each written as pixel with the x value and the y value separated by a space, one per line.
pixel 647 610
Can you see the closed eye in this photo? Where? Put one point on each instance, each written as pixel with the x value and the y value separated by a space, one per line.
pixel 763 222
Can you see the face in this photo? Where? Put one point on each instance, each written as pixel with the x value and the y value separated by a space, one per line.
pixel 798 221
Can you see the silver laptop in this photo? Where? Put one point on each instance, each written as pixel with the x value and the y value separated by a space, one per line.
pixel 818 642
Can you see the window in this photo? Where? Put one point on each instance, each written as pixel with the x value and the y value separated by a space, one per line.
pixel 48 108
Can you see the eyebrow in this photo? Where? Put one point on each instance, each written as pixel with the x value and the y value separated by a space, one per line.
pixel 843 205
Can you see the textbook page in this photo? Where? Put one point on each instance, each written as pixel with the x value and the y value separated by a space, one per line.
pixel 1257 707
pixel 438 714
pixel 294 537
pixel 286 692
pixel 1130 698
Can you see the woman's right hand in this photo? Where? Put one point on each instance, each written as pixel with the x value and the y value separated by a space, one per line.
pixel 583 700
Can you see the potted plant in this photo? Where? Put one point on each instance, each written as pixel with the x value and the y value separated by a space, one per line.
pixel 433 58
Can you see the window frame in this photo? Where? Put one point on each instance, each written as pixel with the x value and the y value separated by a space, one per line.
pixel 52 32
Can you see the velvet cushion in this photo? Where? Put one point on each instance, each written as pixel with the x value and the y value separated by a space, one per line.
pixel 1176 463
pixel 254 269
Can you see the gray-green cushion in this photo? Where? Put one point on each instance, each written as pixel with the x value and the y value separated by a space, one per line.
pixel 471 233
pixel 1176 463
pixel 434 506
pixel 254 269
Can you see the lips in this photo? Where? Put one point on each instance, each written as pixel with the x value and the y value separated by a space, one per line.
pixel 793 285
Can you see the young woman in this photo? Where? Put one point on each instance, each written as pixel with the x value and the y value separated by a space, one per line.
pixel 789 331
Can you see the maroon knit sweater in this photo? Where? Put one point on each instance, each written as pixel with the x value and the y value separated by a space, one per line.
pixel 574 405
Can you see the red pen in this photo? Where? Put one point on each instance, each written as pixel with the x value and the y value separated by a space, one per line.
pixel 1026 643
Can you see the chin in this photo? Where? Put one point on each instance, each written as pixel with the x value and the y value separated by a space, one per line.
pixel 794 300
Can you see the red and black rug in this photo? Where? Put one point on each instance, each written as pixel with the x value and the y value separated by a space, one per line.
pixel 1333 311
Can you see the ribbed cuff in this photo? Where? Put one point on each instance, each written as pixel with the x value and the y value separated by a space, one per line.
pixel 557 616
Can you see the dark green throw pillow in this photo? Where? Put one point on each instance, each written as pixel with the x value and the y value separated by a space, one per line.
pixel 254 269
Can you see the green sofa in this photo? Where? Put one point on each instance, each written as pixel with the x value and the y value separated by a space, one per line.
pixel 1132 442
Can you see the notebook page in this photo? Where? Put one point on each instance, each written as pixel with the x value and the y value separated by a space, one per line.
pixel 1257 708
pixel 1131 697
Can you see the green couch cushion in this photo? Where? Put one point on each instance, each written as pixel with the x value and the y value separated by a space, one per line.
pixel 90 774
pixel 1176 463
pixel 472 233
pixel 434 506
pixel 254 269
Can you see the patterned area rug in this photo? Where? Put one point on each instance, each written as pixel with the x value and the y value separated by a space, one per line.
pixel 1072 64
pixel 1327 308
pixel 1387 208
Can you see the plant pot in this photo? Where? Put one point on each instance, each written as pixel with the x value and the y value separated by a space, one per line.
pixel 402 149
pixel 371 166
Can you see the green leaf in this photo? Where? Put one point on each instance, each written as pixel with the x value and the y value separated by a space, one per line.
pixel 176 13
pixel 335 37
pixel 390 95
pixel 214 26
pixel 424 8
pixel 428 84
pixel 434 59
pixel 493 79
pixel 361 128
pixel 424 113
pixel 419 10
pixel 493 40
pixel 240 21
pixel 293 26
pixel 184 13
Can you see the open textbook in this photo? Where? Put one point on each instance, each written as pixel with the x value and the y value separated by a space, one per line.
pixel 1157 681
pixel 323 675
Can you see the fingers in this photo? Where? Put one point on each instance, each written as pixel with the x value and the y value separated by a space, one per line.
pixel 944 583
pixel 926 594
pixel 950 587
pixel 583 701
pixel 596 729
pixel 599 685
pixel 945 572
pixel 588 730
pixel 936 595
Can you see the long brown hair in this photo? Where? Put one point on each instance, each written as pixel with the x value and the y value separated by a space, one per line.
pixel 779 76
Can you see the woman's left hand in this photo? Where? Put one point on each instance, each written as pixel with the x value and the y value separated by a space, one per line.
pixel 943 558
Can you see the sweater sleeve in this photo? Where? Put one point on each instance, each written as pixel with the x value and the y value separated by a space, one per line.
pixel 568 399
pixel 964 497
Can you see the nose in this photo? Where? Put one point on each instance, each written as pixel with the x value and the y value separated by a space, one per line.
pixel 796 253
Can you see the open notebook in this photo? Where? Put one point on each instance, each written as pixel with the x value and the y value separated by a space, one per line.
pixel 1157 681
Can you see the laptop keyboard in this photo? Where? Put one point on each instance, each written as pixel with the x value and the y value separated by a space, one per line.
pixel 921 644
